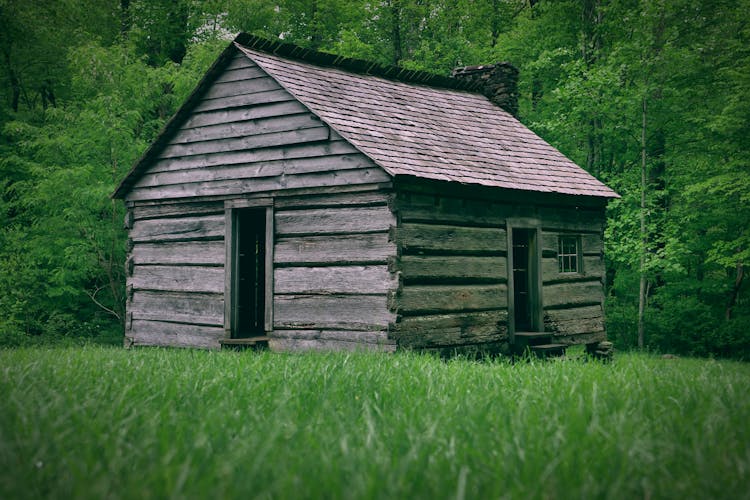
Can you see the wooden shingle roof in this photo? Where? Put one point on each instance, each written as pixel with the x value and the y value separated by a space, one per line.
pixel 410 123
pixel 430 132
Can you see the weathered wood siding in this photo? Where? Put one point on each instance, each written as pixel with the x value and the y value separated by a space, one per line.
pixel 354 265
pixel 248 135
pixel 175 273
pixel 452 265
pixel 332 282
pixel 573 302
pixel 331 278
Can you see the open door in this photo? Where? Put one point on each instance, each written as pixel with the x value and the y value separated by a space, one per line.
pixel 526 297
pixel 249 272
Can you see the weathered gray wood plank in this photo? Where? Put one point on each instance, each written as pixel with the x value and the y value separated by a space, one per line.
pixel 574 313
pixel 230 271
pixel 308 150
pixel 327 345
pixel 166 210
pixel 571 219
pixel 341 179
pixel 432 208
pixel 159 333
pixel 270 283
pixel 367 337
pixel 413 207
pixel 196 308
pixel 183 252
pixel 436 299
pixel 415 238
pixel 258 169
pixel 452 268
pixel 367 198
pixel 245 73
pixel 570 294
pixel 334 220
pixel 343 312
pixel 243 100
pixel 189 228
pixel 343 249
pixel 451 329
pixel 575 326
pixel 334 280
pixel 315 132
pixel 575 321
pixel 258 126
pixel 233 88
pixel 240 61
pixel 179 278
pixel 243 114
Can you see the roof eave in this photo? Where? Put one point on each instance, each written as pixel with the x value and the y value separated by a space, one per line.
pixel 495 192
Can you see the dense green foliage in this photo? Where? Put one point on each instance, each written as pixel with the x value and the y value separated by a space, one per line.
pixel 94 423
pixel 651 96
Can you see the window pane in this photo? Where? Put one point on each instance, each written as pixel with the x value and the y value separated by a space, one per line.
pixel 568 249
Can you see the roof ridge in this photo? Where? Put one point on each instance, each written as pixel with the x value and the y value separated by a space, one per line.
pixel 359 66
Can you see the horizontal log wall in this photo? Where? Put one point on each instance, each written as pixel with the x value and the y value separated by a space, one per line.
pixel 249 135
pixel 573 302
pixel 332 283
pixel 453 265
pixel 452 261
pixel 176 275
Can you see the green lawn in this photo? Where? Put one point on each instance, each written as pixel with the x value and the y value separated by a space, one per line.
pixel 99 422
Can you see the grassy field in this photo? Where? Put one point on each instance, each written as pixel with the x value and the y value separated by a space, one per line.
pixel 100 422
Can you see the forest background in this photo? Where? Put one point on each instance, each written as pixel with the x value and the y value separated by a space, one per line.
pixel 651 96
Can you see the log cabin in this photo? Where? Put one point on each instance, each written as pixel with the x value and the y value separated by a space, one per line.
pixel 302 200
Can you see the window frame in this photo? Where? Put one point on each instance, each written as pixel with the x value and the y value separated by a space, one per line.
pixel 563 252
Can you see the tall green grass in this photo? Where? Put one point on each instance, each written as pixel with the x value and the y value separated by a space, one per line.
pixel 152 423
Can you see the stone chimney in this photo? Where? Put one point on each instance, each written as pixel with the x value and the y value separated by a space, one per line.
pixel 499 82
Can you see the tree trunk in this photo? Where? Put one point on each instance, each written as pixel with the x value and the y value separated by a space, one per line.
pixel 124 17
pixel 396 30
pixel 495 22
pixel 15 84
pixel 316 37
pixel 643 289
pixel 735 292
pixel 591 45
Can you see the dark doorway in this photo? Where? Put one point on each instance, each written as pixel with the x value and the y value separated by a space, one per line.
pixel 525 293
pixel 251 273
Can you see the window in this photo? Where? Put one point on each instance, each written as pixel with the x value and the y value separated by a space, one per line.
pixel 568 252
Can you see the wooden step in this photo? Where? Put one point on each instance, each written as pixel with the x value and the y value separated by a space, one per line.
pixel 249 342
pixel 548 349
pixel 533 335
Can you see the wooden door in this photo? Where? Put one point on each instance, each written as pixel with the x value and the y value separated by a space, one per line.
pixel 250 262
pixel 525 274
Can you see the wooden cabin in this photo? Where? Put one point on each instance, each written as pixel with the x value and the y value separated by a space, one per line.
pixel 308 201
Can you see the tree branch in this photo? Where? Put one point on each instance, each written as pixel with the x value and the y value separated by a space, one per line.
pixel 92 296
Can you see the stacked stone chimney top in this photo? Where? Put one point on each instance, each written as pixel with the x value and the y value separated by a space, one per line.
pixel 499 82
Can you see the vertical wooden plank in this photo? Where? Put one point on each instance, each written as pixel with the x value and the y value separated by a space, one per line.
pixel 511 285
pixel 537 307
pixel 230 241
pixel 269 271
